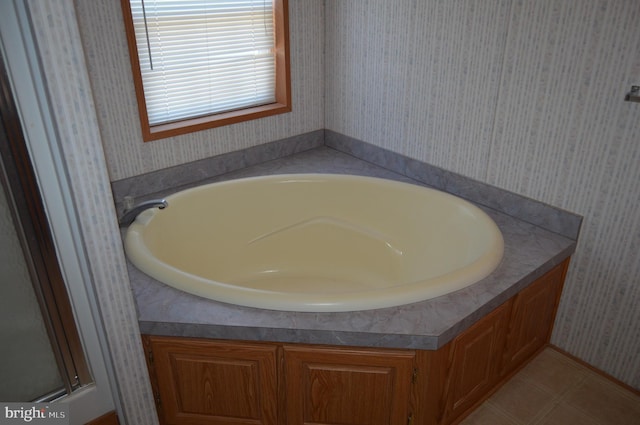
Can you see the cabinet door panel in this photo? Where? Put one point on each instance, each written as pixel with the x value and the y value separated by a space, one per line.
pixel 534 310
pixel 475 362
pixel 336 386
pixel 216 387
pixel 210 382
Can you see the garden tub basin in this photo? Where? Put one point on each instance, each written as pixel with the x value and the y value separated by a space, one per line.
pixel 315 242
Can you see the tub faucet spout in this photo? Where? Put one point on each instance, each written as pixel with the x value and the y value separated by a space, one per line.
pixel 131 214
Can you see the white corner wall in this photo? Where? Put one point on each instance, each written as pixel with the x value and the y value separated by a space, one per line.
pixel 77 136
pixel 524 95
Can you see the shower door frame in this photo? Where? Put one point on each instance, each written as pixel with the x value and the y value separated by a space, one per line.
pixel 23 68
pixel 35 236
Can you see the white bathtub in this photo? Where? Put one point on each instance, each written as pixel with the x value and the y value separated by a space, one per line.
pixel 315 242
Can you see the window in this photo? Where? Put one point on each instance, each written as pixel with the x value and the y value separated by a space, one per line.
pixel 199 64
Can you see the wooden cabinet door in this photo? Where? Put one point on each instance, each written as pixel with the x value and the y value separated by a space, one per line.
pixel 213 382
pixel 475 363
pixel 347 386
pixel 534 310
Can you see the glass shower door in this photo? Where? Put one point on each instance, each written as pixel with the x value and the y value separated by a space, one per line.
pixel 41 354
pixel 28 366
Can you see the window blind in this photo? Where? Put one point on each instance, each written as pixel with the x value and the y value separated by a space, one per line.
pixel 201 57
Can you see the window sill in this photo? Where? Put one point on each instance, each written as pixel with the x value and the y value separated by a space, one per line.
pixel 177 128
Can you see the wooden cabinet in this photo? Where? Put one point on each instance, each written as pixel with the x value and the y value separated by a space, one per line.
pixel 491 350
pixel 198 381
pixel 328 385
pixel 213 382
pixel 475 363
pixel 531 323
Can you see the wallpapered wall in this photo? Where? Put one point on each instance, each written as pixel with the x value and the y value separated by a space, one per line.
pixel 107 57
pixel 524 95
pixel 527 96
pixel 60 53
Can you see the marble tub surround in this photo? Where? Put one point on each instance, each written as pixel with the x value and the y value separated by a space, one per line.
pixel 538 213
pixel 363 158
pixel 530 251
pixel 187 174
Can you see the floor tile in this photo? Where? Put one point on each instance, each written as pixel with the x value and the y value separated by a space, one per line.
pixel 605 402
pixel 522 400
pixel 556 390
pixel 554 372
pixel 487 415
pixel 563 414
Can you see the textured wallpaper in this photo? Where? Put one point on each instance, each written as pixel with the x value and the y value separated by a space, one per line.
pixel 564 135
pixel 69 92
pixel 524 95
pixel 409 75
pixel 107 56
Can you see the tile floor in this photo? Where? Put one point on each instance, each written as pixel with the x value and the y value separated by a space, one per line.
pixel 555 390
